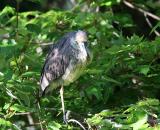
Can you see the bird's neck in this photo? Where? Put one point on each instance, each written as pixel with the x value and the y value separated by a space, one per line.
pixel 82 52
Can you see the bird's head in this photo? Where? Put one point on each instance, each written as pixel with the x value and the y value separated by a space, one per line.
pixel 81 37
pixel 79 41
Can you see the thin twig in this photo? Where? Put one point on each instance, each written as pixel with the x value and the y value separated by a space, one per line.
pixel 46 43
pixel 146 13
pixel 35 124
pixel 16 127
pixel 141 10
pixel 39 116
pixel 22 113
pixel 30 121
pixel 151 26
pixel 27 113
pixel 17 20
pixel 5 36
pixel 50 109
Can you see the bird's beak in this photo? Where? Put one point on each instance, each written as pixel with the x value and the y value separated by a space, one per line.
pixel 86 44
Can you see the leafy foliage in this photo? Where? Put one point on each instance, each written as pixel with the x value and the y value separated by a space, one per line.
pixel 121 84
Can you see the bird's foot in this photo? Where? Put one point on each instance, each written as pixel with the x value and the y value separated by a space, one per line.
pixel 65 119
pixel 66 116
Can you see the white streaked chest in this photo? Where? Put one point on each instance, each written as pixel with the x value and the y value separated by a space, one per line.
pixel 73 72
pixel 82 53
pixel 76 67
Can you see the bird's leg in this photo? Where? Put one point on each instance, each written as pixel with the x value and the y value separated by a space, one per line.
pixel 62 101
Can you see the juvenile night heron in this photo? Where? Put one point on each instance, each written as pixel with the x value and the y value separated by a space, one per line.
pixel 65 62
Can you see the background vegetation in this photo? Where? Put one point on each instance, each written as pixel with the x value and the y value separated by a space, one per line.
pixel 120 88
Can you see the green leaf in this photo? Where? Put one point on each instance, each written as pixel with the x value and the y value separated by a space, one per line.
pixel 54 126
pixel 3 122
pixel 30 74
pixel 93 91
pixel 108 79
pixel 7 10
pixel 33 28
pixel 144 69
pixel 92 30
pixel 149 102
pixel 94 71
pixel 95 120
pixel 155 27
pixel 139 124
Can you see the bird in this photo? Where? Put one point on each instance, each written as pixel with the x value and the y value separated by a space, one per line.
pixel 65 63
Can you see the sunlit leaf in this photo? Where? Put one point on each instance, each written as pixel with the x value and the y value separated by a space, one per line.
pixel 139 123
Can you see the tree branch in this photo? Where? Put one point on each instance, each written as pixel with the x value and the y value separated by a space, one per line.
pixel 145 13
pixel 128 4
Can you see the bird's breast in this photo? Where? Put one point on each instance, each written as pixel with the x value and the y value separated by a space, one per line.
pixel 76 66
pixel 82 55
pixel 73 72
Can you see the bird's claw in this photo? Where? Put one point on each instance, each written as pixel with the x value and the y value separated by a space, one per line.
pixel 66 116
pixel 65 119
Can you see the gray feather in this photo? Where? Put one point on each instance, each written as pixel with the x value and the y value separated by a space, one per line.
pixel 65 61
pixel 56 62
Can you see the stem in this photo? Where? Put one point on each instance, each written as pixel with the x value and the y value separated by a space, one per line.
pixel 17 20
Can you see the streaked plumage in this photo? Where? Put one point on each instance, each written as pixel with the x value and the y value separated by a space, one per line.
pixel 65 61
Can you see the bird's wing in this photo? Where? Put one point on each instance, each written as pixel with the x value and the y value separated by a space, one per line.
pixel 55 65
